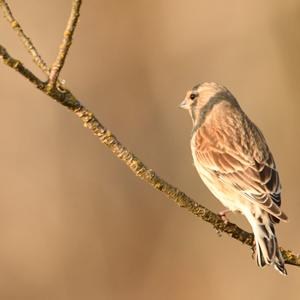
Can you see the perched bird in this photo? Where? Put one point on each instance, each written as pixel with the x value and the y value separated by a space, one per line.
pixel 234 161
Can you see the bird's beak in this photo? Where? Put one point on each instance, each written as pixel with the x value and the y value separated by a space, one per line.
pixel 184 104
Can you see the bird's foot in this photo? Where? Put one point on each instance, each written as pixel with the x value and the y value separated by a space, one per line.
pixel 223 213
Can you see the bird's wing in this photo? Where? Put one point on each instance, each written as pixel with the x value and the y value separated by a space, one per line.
pixel 252 173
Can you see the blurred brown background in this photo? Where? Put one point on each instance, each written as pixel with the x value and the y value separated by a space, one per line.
pixel 74 222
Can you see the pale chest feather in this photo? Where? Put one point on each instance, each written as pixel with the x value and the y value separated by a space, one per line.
pixel 222 192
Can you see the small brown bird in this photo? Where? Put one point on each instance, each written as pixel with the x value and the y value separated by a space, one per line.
pixel 233 159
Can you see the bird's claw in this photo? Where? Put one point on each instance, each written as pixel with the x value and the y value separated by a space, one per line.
pixel 222 214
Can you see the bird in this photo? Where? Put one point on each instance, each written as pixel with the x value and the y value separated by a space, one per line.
pixel 234 161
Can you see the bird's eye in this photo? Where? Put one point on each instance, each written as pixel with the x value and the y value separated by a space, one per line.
pixel 193 96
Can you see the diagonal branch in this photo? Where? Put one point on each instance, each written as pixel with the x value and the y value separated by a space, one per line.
pixel 24 38
pixel 19 67
pixel 65 45
pixel 89 120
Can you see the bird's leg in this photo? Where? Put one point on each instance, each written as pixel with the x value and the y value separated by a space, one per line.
pixel 223 213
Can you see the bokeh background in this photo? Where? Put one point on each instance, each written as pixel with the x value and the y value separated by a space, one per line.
pixel 74 222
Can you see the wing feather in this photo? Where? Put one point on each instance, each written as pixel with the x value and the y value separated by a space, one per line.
pixel 252 173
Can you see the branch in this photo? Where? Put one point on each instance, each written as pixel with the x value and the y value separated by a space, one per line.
pixel 90 121
pixel 19 67
pixel 65 45
pixel 24 38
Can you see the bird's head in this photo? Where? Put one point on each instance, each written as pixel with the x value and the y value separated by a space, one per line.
pixel 204 96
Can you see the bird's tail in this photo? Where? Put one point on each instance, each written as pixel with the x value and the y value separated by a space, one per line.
pixel 267 251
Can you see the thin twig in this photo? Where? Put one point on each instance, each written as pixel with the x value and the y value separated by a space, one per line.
pixel 24 38
pixel 19 67
pixel 65 45
pixel 89 120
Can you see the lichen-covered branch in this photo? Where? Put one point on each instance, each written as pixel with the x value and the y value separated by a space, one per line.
pixel 24 38
pixel 65 45
pixel 89 120
pixel 19 67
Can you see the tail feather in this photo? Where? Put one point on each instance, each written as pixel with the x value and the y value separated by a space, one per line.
pixel 267 251
pixel 260 260
pixel 265 244
pixel 279 263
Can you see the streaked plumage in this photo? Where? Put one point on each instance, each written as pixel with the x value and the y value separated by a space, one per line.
pixel 234 161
